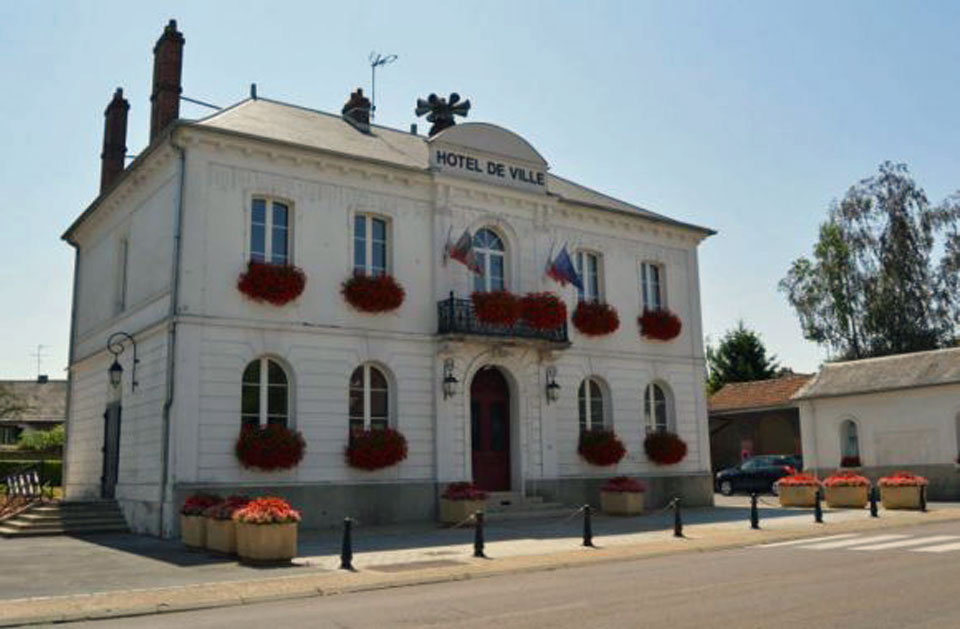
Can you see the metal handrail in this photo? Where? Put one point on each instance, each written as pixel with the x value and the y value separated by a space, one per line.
pixel 457 316
pixel 24 482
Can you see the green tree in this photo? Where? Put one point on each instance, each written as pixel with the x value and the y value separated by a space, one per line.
pixel 739 357
pixel 42 440
pixel 873 287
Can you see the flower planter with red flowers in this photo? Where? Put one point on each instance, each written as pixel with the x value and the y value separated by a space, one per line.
pixel 660 325
pixel 602 447
pixel 901 490
pixel 847 490
pixel 374 294
pixel 498 307
pixel 221 529
pixel 543 311
pixel 267 530
pixel 798 490
pixel 850 461
pixel 593 318
pixel 277 284
pixel 269 448
pixel 193 526
pixel 376 448
pixel 459 501
pixel 622 496
pixel 664 448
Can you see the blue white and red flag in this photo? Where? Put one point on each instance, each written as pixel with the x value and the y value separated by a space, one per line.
pixel 462 252
pixel 563 271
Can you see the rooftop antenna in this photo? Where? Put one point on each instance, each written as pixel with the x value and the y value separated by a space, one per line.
pixel 376 59
pixel 39 355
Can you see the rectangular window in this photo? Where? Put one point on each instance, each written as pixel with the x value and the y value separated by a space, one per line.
pixel 269 231
pixel 123 255
pixel 588 267
pixel 370 245
pixel 651 279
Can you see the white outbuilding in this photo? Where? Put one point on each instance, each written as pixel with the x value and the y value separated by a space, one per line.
pixel 160 251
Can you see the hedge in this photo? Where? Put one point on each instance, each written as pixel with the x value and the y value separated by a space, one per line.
pixel 51 472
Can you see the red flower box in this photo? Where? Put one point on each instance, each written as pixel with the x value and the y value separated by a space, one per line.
pixel 902 479
pixel 463 491
pixel 380 293
pixel 273 283
pixel 271 447
pixel 664 448
pixel 601 447
pixel 846 479
pixel 224 510
pixel 624 484
pixel 661 325
pixel 198 503
pixel 267 510
pixel 543 311
pixel 595 319
pixel 496 308
pixel 799 480
pixel 376 448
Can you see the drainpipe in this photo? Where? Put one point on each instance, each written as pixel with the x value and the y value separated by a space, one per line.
pixel 73 330
pixel 172 327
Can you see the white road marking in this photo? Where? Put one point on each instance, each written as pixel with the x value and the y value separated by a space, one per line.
pixel 853 542
pixel 806 540
pixel 919 541
pixel 942 548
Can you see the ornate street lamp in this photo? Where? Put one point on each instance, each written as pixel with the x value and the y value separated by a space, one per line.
pixel 553 389
pixel 449 380
pixel 115 347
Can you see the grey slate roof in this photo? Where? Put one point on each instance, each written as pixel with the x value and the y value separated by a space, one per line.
pixel 291 124
pixel 871 375
pixel 47 401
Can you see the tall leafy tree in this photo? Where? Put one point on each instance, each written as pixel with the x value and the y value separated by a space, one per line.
pixel 874 286
pixel 739 357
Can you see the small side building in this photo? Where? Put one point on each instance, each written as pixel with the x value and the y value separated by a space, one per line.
pixel 757 417
pixel 886 414
pixel 44 402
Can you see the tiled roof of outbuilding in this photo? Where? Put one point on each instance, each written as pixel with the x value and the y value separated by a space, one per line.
pixel 46 401
pixel 757 394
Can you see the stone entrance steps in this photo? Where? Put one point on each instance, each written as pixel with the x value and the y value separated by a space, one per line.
pixel 66 518
pixel 511 505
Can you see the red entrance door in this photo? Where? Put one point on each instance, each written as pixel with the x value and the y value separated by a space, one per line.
pixel 490 430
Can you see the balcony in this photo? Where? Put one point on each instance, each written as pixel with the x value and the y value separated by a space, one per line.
pixel 456 318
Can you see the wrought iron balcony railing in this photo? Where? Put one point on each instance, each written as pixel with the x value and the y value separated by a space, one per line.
pixel 456 316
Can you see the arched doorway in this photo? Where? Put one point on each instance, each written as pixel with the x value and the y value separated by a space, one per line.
pixel 490 429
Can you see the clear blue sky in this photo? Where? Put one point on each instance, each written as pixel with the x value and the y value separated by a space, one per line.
pixel 748 117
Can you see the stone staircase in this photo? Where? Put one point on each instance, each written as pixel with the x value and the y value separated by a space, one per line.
pixel 65 518
pixel 511 505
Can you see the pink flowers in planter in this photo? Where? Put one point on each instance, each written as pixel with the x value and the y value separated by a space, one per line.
pixel 267 510
pixel 846 479
pixel 624 484
pixel 463 491
pixel 902 479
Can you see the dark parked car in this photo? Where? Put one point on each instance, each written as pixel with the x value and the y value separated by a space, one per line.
pixel 757 474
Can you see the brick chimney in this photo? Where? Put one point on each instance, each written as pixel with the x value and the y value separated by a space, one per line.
pixel 167 67
pixel 114 140
pixel 356 111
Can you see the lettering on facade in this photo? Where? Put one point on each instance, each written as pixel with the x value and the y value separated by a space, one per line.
pixel 490 168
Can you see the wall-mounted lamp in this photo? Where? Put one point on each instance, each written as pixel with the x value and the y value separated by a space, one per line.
pixel 115 347
pixel 449 380
pixel 553 389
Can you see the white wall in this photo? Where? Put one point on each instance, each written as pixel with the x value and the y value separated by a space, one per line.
pixel 908 427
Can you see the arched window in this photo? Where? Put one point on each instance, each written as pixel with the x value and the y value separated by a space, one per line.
pixel 265 394
pixel 656 408
pixel 849 440
pixel 369 399
pixel 491 258
pixel 590 399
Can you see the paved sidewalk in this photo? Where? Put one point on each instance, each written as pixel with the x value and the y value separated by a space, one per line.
pixel 108 575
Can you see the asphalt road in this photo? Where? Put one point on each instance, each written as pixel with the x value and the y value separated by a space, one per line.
pixel 907 577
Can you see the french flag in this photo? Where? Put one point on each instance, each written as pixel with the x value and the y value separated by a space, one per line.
pixel 563 271
pixel 462 252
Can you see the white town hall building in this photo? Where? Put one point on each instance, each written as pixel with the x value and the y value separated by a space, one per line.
pixel 159 253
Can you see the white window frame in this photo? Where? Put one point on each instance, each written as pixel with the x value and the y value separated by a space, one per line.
pixel 367 391
pixel 263 416
pixel 268 228
pixel 581 261
pixel 646 285
pixel 123 260
pixel 487 254
pixel 590 422
pixel 368 219
pixel 649 402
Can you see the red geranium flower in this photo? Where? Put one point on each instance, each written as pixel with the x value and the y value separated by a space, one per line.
pixel 498 307
pixel 376 448
pixel 543 311
pixel 197 503
pixel 624 484
pixel 664 448
pixel 601 447
pixel 799 480
pixel 273 283
pixel 380 293
pixel 846 479
pixel 271 447
pixel 660 324
pixel 902 479
pixel 463 491
pixel 267 510
pixel 595 319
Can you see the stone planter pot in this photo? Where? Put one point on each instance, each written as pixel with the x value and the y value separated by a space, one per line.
pixel 621 502
pixel 266 542
pixel 221 536
pixel 456 511
pixel 193 530
pixel 847 497
pixel 797 495
pixel 900 497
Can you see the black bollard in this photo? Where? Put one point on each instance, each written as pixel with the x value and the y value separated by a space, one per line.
pixel 346 549
pixel 923 498
pixel 754 513
pixel 677 519
pixel 817 509
pixel 873 503
pixel 478 536
pixel 587 527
